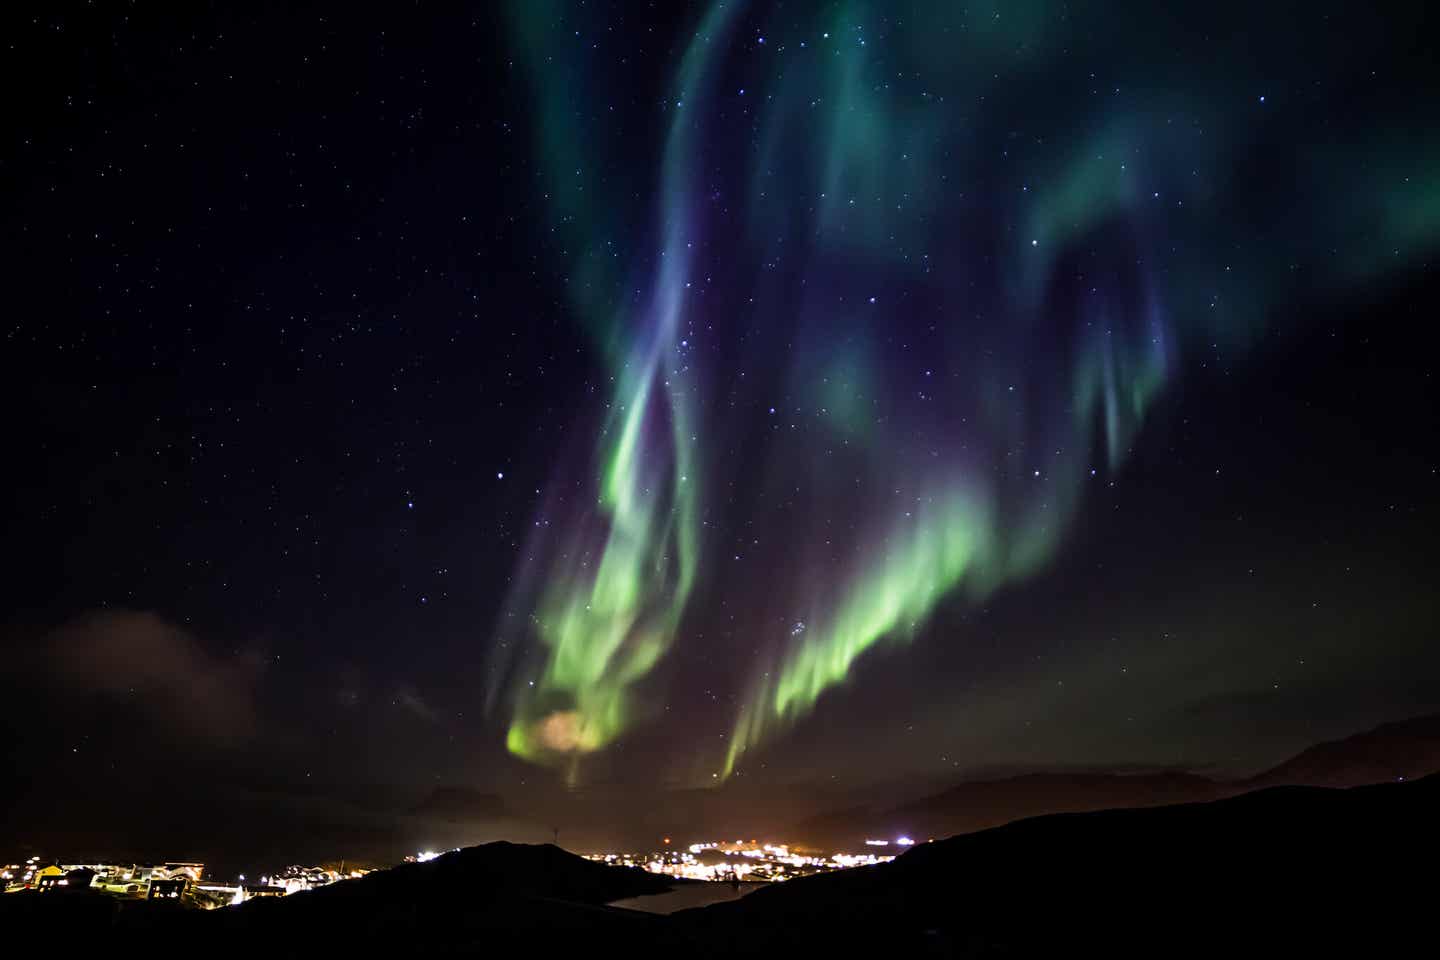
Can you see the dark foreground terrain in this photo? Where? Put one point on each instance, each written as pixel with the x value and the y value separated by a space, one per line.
pixel 1292 870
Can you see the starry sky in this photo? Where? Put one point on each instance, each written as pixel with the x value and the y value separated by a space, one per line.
pixel 625 400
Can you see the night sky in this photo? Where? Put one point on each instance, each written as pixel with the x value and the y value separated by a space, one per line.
pixel 605 402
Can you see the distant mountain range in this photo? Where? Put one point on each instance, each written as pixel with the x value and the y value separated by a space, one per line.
pixel 1407 749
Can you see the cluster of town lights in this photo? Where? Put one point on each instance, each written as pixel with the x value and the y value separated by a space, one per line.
pixel 749 862
pixel 169 880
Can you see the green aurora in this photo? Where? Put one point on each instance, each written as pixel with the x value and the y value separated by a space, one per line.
pixel 860 143
pixel 608 619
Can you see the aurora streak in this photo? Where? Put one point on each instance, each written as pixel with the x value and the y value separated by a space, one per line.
pixel 610 615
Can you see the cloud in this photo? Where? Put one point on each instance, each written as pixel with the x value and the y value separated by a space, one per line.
pixel 144 661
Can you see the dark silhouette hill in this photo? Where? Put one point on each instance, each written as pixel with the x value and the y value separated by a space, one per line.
pixel 1405 749
pixel 505 891
pixel 1287 869
pixel 981 804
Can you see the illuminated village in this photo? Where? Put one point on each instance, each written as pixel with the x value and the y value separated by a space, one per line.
pixel 171 880
pixel 749 861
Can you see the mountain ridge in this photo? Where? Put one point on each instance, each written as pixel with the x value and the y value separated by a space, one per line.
pixel 1399 749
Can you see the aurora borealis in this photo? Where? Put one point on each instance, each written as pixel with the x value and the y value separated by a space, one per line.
pixel 637 413
pixel 980 254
